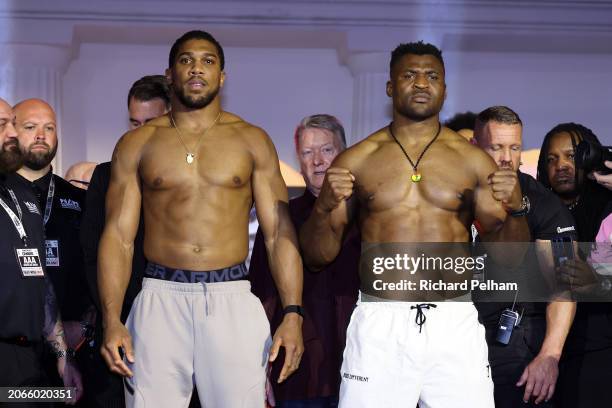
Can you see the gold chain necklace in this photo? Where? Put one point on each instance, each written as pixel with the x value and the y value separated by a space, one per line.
pixel 190 156
pixel 416 175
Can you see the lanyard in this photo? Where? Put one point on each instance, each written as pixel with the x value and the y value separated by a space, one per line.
pixel 49 203
pixel 16 219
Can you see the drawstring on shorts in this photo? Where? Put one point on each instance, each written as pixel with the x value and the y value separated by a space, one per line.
pixel 420 316
pixel 209 306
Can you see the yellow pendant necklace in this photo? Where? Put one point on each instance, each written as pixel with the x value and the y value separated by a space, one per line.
pixel 416 176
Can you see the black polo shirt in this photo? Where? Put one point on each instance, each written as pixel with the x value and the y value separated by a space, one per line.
pixel 64 255
pixel 21 299
pixel 548 218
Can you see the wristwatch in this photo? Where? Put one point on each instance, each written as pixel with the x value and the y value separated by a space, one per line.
pixel 294 309
pixel 524 210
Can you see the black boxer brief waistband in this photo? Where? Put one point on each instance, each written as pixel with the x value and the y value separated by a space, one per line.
pixel 231 273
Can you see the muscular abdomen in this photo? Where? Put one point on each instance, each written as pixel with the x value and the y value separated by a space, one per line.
pixel 196 216
pixel 203 231
pixel 405 225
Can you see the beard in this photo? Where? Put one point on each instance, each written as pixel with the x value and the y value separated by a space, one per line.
pixel 192 102
pixel 11 158
pixel 39 160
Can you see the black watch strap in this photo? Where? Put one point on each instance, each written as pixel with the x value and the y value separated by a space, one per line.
pixel 524 210
pixel 294 309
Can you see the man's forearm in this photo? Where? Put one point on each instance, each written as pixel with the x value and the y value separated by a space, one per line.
pixel 53 329
pixel 286 264
pixel 114 269
pixel 319 242
pixel 559 318
pixel 56 338
pixel 514 231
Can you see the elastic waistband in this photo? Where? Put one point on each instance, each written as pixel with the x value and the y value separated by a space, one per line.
pixel 365 299
pixel 229 274
pixel 242 286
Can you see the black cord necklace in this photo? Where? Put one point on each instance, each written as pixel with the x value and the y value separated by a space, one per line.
pixel 416 176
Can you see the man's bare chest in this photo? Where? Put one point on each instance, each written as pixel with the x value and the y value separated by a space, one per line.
pixel 168 163
pixel 387 181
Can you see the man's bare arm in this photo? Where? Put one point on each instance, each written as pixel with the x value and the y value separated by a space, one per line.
pixel 53 331
pixel 559 318
pixel 271 201
pixel 540 376
pixel 322 234
pixel 123 202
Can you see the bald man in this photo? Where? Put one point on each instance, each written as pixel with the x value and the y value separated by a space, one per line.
pixel 79 174
pixel 60 205
pixel 27 302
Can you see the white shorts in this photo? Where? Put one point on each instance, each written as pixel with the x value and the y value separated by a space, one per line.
pixel 391 362
pixel 213 335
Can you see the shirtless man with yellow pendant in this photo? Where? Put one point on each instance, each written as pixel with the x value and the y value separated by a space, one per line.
pixel 195 172
pixel 413 182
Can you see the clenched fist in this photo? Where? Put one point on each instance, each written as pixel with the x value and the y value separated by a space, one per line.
pixel 505 187
pixel 337 187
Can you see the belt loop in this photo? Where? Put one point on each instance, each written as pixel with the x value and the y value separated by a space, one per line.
pixel 207 297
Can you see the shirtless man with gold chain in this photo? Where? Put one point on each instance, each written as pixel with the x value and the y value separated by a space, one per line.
pixel 196 172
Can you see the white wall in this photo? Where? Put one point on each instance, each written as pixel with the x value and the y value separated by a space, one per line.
pixel 550 61
pixel 272 88
pixel 544 89
pixel 275 88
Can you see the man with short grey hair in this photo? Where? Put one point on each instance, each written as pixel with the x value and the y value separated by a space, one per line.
pixel 318 140
pixel 329 296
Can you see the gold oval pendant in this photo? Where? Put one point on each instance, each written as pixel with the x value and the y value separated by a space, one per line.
pixel 189 158
pixel 416 177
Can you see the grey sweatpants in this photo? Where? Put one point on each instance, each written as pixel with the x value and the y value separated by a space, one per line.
pixel 213 335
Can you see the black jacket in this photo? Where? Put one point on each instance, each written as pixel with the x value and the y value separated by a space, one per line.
pixel 91 231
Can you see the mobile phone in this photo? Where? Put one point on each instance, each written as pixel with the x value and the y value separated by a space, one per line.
pixel 562 249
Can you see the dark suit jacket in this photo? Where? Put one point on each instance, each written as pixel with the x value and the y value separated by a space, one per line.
pixel 92 226
pixel 329 297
